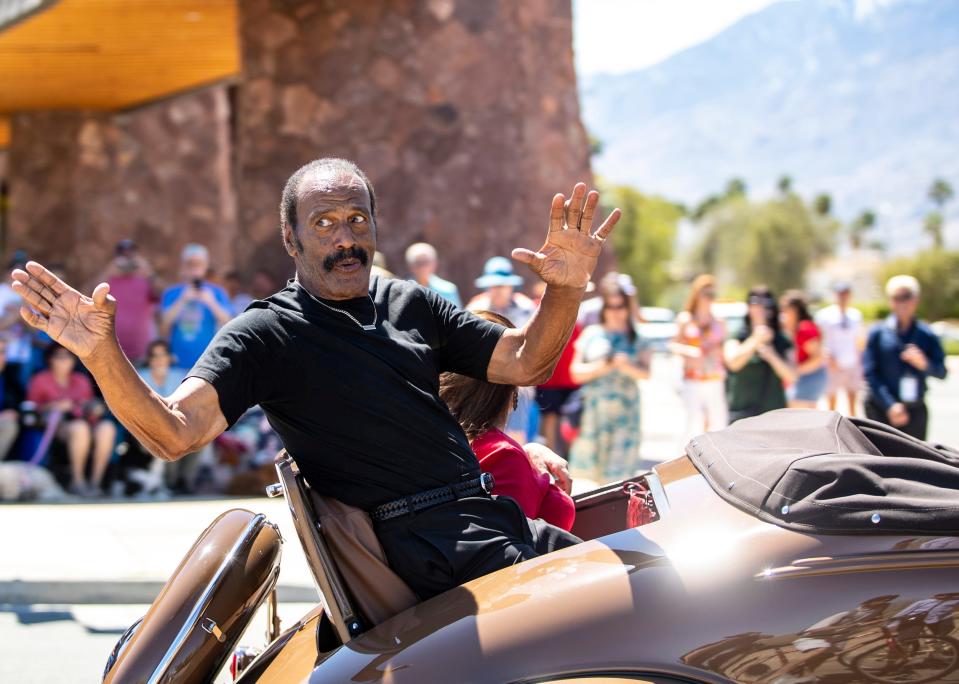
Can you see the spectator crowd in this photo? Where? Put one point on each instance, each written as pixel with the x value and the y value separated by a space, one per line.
pixel 777 354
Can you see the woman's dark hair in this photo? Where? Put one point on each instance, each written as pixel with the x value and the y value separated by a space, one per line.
pixel 478 405
pixel 760 294
pixel 617 291
pixel 797 300
pixel 53 349
pixel 159 342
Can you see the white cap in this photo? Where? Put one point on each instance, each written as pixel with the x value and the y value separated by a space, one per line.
pixel 902 282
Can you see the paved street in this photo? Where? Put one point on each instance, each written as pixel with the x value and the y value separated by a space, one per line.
pixel 67 561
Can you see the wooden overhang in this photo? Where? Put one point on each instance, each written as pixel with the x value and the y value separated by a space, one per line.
pixel 112 54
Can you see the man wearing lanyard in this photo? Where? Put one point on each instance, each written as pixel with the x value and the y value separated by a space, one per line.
pixel 900 353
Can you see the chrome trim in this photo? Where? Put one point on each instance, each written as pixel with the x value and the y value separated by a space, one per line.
pixel 859 563
pixel 658 493
pixel 487 482
pixel 243 657
pixel 191 622
pixel 274 490
pixel 272 618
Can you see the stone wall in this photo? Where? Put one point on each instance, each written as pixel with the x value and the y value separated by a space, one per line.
pixel 463 112
pixel 161 174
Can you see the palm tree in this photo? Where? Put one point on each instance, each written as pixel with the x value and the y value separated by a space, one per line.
pixel 785 184
pixel 933 228
pixel 860 226
pixel 735 187
pixel 822 204
pixel 940 192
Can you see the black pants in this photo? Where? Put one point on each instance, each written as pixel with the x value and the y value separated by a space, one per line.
pixel 443 547
pixel 918 418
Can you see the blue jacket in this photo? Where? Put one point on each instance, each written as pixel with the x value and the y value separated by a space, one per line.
pixel 884 369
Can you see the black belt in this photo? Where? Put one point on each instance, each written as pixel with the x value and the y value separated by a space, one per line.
pixel 433 497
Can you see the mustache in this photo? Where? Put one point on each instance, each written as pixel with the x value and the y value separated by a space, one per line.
pixel 358 253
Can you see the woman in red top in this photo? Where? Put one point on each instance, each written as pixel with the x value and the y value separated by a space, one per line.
pixel 60 391
pixel 481 408
pixel 811 365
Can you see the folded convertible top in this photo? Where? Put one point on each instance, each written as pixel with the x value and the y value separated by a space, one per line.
pixel 818 471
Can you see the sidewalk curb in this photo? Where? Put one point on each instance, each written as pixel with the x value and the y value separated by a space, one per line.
pixel 112 592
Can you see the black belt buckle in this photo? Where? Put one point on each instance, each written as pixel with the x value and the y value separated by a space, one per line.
pixel 487 482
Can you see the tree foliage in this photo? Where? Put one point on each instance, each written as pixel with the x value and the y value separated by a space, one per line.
pixel 936 270
pixel 940 192
pixel 644 239
pixel 772 242
pixel 932 226
pixel 860 227
pixel 822 205
pixel 785 184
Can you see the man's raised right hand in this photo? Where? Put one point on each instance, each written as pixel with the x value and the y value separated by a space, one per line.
pixel 80 323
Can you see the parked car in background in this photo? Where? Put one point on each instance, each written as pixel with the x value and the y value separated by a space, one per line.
pixel 658 326
pixel 733 314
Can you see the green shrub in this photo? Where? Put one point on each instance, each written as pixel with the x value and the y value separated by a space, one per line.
pixel 937 271
pixel 873 311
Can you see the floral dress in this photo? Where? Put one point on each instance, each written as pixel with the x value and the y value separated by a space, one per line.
pixel 607 447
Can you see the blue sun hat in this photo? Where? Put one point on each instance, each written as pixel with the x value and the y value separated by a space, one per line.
pixel 498 271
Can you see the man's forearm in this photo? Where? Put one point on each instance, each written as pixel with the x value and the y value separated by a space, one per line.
pixel 141 410
pixel 526 356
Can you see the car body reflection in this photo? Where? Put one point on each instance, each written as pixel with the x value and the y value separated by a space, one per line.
pixel 887 639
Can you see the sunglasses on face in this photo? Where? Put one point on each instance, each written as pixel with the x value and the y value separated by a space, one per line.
pixel 615 307
pixel 904 297
pixel 708 294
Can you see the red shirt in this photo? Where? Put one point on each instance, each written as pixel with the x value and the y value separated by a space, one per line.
pixel 807 330
pixel 43 389
pixel 561 378
pixel 516 478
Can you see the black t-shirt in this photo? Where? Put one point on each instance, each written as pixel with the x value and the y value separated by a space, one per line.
pixel 358 410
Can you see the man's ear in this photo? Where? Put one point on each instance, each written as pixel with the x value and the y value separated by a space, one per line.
pixel 289 240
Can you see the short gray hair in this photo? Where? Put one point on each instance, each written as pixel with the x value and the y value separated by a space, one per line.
pixel 902 282
pixel 419 249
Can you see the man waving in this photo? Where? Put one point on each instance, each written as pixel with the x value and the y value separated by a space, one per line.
pixel 346 369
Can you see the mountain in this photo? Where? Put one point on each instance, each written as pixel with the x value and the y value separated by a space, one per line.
pixel 864 106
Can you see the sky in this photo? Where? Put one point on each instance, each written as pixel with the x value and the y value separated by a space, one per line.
pixel 616 36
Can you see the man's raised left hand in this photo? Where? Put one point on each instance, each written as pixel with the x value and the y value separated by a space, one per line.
pixel 569 255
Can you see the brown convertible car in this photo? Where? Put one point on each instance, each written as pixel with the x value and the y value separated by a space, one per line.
pixel 799 546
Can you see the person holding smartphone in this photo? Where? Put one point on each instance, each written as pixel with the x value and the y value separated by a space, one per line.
pixel 193 310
